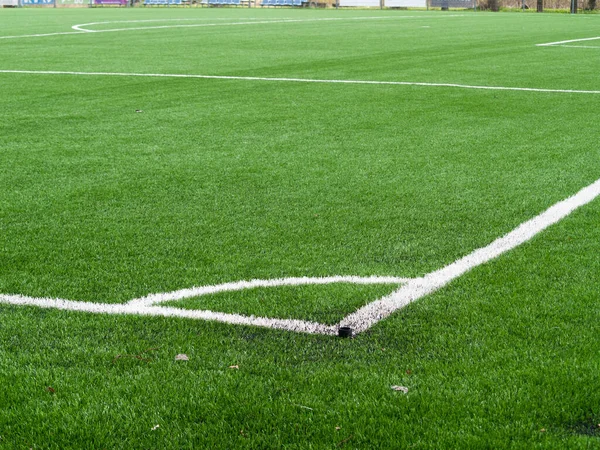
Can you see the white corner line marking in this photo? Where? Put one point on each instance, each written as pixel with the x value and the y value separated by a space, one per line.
pixel 299 326
pixel 558 43
pixel 299 80
pixel 360 320
pixel 145 306
pixel 154 299
pixel 416 288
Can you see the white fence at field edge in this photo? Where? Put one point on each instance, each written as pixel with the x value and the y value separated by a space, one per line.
pixel 9 2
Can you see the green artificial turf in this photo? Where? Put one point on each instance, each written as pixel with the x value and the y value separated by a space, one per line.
pixel 112 188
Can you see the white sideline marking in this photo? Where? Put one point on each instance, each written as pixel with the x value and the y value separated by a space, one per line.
pixel 301 80
pixel 81 30
pixel 416 288
pixel 549 44
pixel 360 320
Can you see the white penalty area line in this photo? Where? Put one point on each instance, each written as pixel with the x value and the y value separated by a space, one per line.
pixel 81 28
pixel 362 319
pixel 300 80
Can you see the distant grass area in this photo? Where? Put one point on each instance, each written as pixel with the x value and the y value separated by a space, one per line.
pixel 216 181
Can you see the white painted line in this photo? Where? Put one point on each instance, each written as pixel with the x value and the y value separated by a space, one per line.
pixel 549 44
pixel 144 305
pixel 363 318
pixel 253 22
pixel 80 28
pixel 578 46
pixel 154 299
pixel 299 326
pixel 302 80
pixel 42 35
pixel 416 288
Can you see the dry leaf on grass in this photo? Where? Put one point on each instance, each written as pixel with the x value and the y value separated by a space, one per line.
pixel 155 427
pixel 234 367
pixel 182 357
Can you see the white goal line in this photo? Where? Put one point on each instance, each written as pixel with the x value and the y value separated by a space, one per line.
pixel 301 80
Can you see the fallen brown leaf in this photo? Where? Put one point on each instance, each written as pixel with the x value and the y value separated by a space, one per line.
pixel 182 357
pixel 51 389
